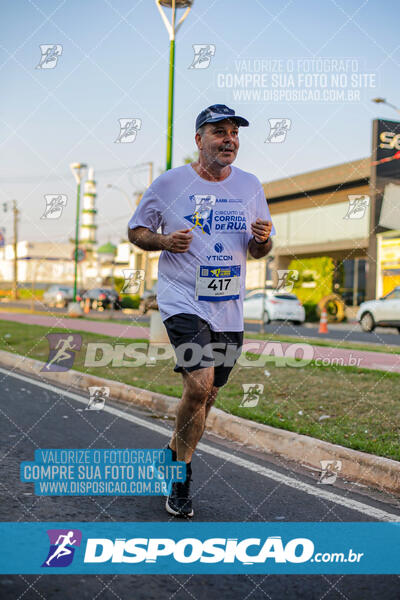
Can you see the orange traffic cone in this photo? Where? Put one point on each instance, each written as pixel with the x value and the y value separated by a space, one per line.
pixel 86 308
pixel 323 322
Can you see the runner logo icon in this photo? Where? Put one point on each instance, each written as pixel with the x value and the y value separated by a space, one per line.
pixel 62 547
pixel 278 130
pixel 358 204
pixel 203 212
pixel 54 206
pixel 50 55
pixel 202 56
pixel 98 397
pixel 62 351
pixel 128 130
pixel 251 394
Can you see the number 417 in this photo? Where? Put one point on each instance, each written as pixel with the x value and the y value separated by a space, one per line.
pixel 213 284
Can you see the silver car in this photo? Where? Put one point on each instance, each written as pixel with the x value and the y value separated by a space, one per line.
pixel 58 295
pixel 384 312
pixel 273 305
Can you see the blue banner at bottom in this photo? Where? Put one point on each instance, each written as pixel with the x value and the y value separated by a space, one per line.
pixel 188 547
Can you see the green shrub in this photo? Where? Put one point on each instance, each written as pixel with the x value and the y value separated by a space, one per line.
pixel 320 270
pixel 26 293
pixel 119 283
pixel 129 301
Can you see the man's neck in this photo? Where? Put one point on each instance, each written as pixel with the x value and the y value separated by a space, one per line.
pixel 211 172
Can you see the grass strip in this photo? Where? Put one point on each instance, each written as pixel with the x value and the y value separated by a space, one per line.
pixel 356 408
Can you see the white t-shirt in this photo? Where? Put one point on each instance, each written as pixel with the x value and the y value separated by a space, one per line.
pixel 209 279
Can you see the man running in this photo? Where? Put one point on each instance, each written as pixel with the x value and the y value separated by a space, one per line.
pixel 202 270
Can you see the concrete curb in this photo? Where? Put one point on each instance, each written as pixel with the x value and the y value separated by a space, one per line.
pixel 375 471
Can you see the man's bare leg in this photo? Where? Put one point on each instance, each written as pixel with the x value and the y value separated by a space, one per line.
pixel 192 412
pixel 211 399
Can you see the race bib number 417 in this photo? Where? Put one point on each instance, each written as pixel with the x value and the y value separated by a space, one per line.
pixel 217 283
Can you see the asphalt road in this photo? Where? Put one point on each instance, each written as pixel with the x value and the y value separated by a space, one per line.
pixel 38 415
pixel 340 332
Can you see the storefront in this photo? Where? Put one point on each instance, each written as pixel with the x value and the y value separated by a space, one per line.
pixel 349 213
pixel 388 267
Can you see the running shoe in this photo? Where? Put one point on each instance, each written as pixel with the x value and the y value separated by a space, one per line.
pixel 179 502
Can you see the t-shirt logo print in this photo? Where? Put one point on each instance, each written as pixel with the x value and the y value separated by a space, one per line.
pixel 203 212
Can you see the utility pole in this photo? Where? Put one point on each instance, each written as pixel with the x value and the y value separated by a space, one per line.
pixel 14 291
pixel 15 245
pixel 77 171
pixel 15 282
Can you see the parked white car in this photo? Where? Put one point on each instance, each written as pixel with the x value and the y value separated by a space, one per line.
pixel 384 312
pixel 58 295
pixel 277 306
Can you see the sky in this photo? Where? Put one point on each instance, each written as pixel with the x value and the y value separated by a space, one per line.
pixel 313 66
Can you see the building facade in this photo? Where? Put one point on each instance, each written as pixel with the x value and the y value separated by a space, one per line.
pixel 348 213
pixel 324 213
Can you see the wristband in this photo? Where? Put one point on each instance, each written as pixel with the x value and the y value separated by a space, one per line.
pixel 261 243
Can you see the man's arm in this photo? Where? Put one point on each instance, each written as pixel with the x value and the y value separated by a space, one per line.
pixel 178 241
pixel 146 239
pixel 260 244
pixel 259 250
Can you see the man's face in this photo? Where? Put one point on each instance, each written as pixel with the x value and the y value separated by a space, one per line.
pixel 219 142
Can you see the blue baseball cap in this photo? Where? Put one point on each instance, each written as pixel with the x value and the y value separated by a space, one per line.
pixel 219 112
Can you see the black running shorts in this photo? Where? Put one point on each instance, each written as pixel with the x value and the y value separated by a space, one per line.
pixel 197 346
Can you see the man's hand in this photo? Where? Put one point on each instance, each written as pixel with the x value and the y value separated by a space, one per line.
pixel 178 241
pixel 261 230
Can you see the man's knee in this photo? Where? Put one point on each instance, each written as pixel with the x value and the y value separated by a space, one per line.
pixel 198 385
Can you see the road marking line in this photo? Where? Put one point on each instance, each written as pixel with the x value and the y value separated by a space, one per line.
pixel 365 509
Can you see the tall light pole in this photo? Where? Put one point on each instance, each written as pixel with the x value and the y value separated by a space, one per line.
pixel 172 29
pixel 14 292
pixel 383 101
pixel 77 169
pixel 15 280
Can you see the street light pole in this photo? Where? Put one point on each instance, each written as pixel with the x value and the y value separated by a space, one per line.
pixel 171 79
pixel 14 291
pixel 172 29
pixel 77 169
pixel 15 279
pixel 383 101
pixel 123 192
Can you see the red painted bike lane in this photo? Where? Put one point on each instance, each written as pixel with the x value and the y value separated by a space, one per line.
pixel 323 355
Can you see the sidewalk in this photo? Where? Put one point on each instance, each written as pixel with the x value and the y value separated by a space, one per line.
pixel 117 330
pixel 325 355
